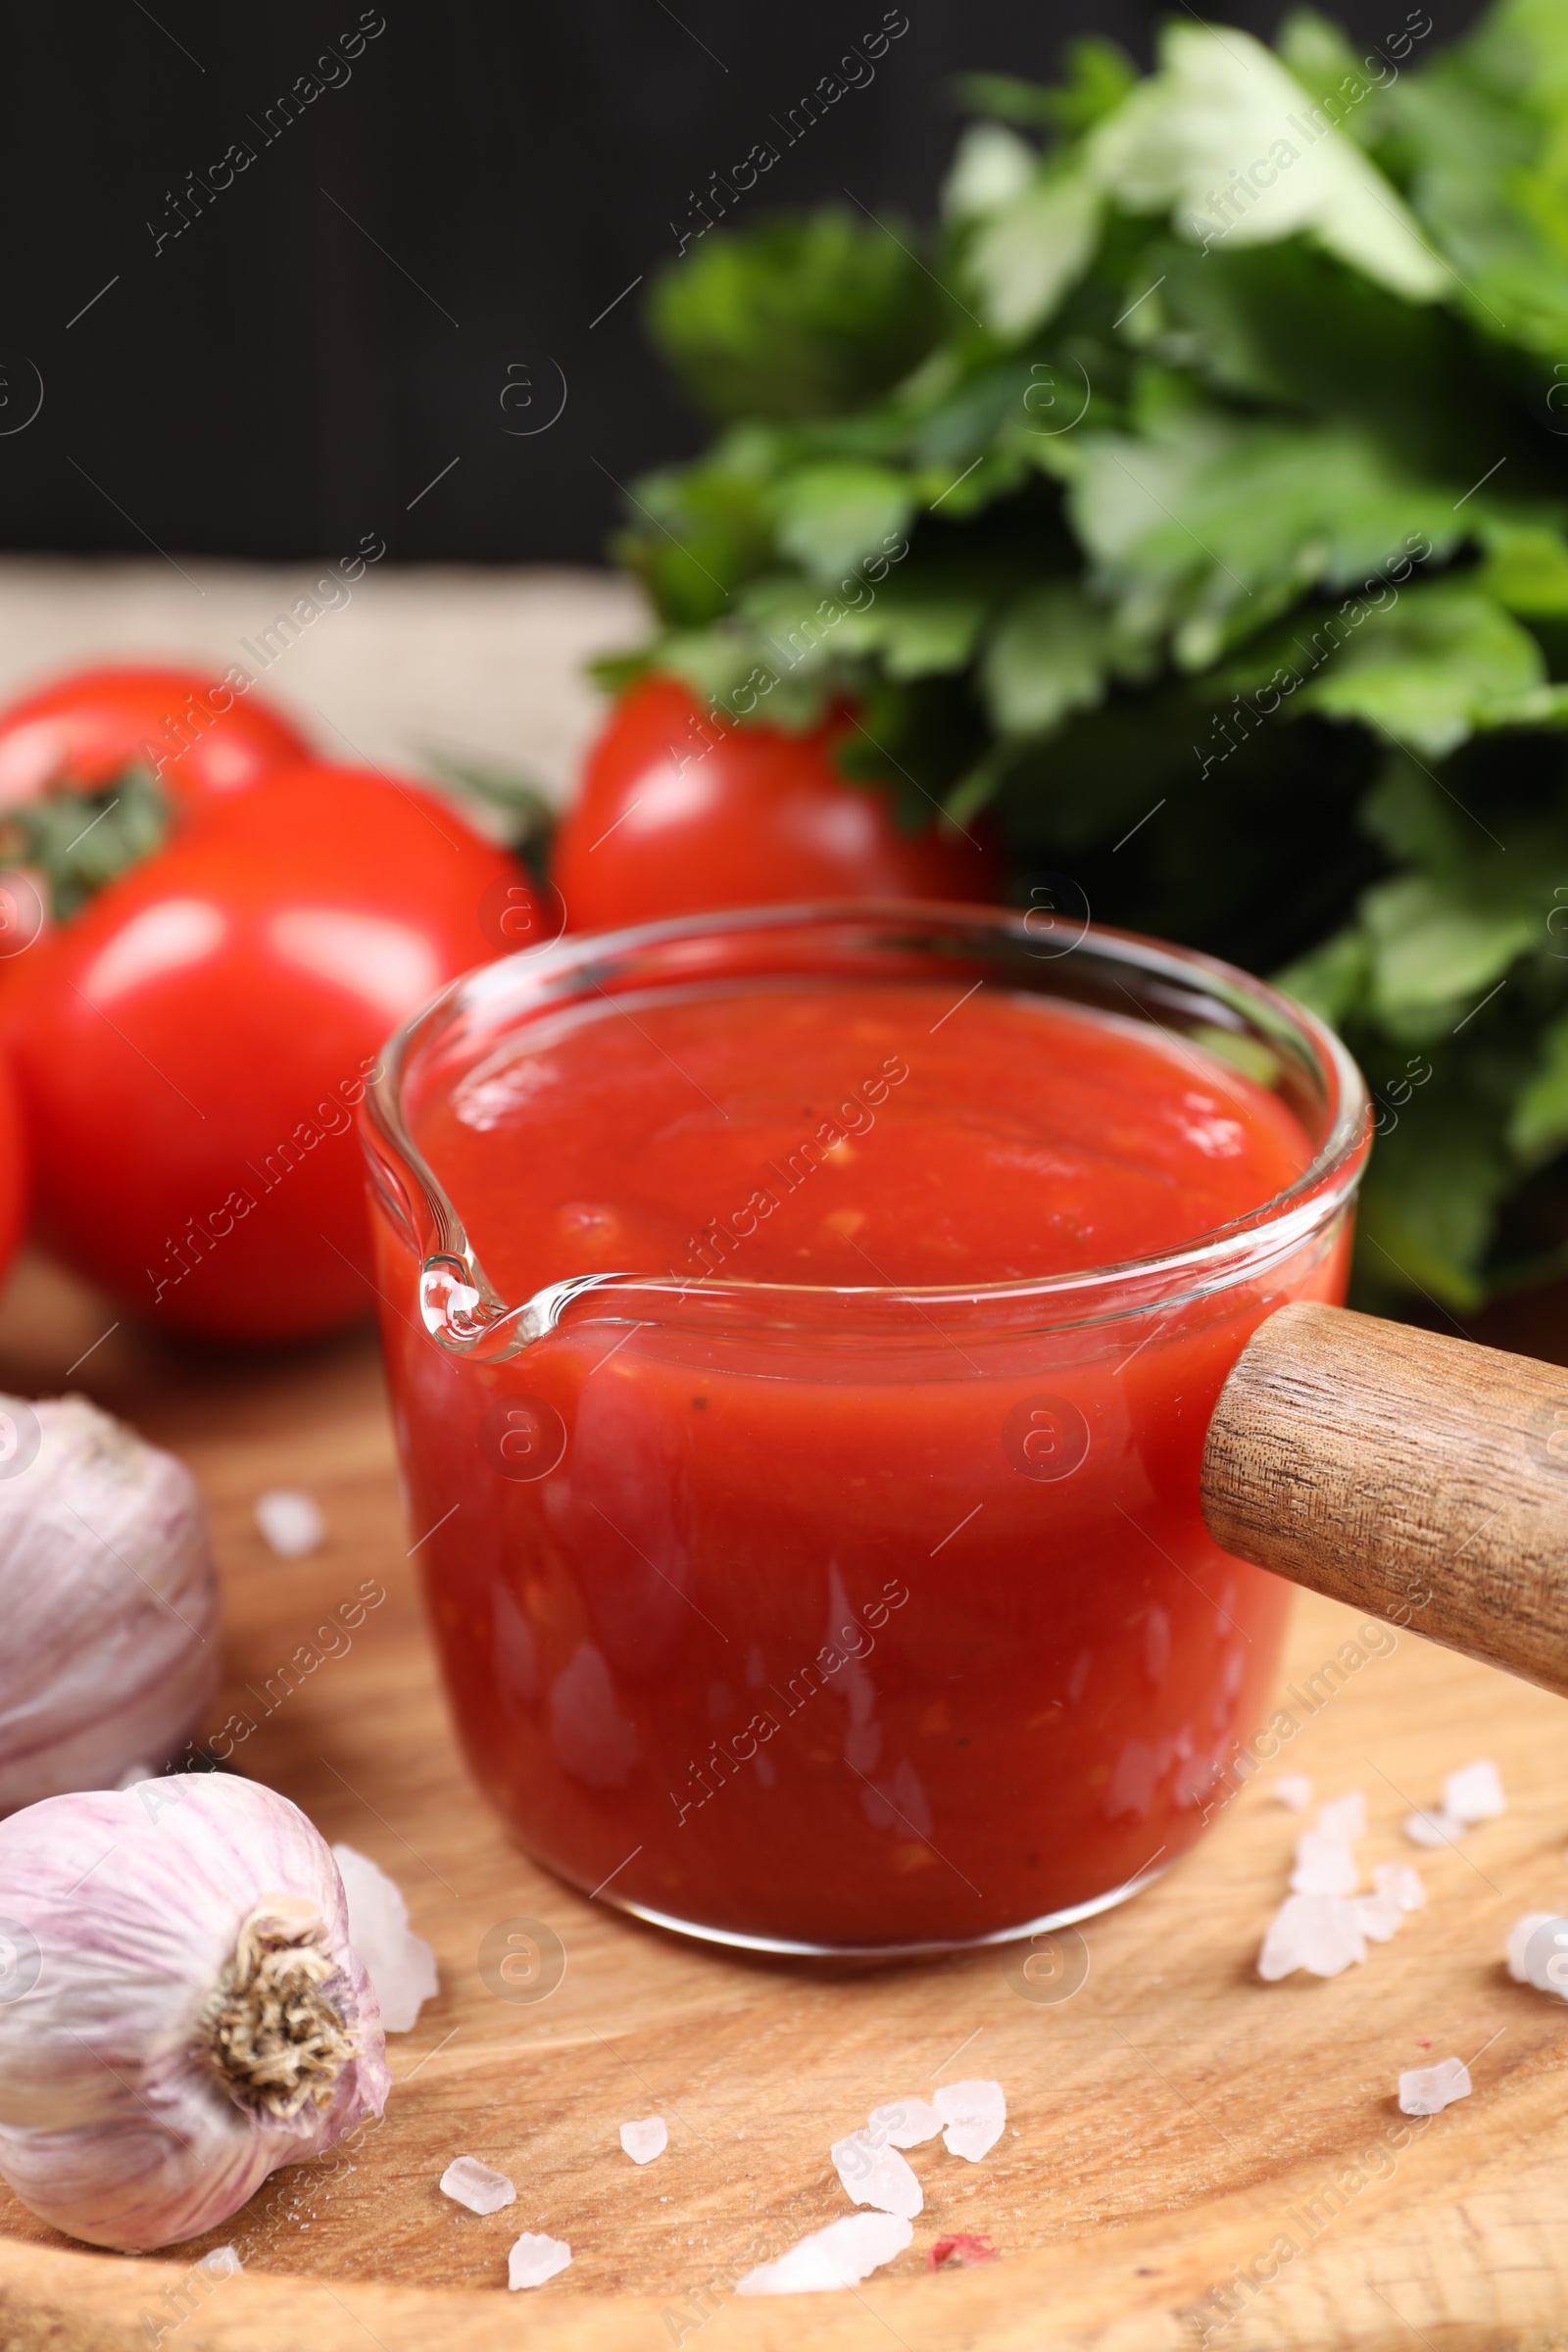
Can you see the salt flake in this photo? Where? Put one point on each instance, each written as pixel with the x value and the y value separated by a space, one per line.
pixel 877 2175
pixel 1434 1828
pixel 291 1523
pixel 974 2114
pixel 1344 1818
pixel 468 2182
pixel 1537 1953
pixel 1324 1865
pixel 645 2141
pixel 1428 2089
pixel 904 2123
pixel 1520 1936
pixel 1474 1794
pixel 839 2256
pixel 221 2263
pixel 1293 1788
pixel 400 1964
pixel 1377 1916
pixel 1319 1933
pixel 1402 1883
pixel 534 2258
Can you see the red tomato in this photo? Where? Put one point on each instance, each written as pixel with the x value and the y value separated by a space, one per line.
pixel 191 1046
pixel 681 812
pixel 14 1158
pixel 200 738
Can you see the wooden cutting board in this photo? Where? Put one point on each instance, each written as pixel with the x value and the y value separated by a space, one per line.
pixel 1171 2120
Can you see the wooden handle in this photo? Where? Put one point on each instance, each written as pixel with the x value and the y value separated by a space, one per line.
pixel 1421 1479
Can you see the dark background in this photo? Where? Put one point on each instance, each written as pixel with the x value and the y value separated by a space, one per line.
pixel 281 378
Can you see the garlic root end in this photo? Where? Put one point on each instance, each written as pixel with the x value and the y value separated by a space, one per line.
pixel 270 2031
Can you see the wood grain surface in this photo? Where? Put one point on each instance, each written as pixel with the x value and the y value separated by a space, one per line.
pixel 1169 2124
pixel 1404 1472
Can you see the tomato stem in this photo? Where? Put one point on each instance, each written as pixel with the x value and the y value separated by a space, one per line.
pixel 80 841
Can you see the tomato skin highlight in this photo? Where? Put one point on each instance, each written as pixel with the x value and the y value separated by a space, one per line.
pixel 201 740
pixel 190 1048
pixel 681 812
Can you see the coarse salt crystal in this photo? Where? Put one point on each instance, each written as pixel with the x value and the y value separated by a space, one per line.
pixel 1428 2089
pixel 904 2123
pixel 1519 1938
pixel 468 2182
pixel 1402 1883
pixel 1537 1953
pixel 839 2256
pixel 645 2141
pixel 1344 1818
pixel 1319 1933
pixel 1377 1916
pixel 877 2175
pixel 1434 1828
pixel 1324 1865
pixel 1293 1788
pixel 221 2263
pixel 534 2258
pixel 1474 1794
pixel 400 1964
pixel 291 1523
pixel 973 2115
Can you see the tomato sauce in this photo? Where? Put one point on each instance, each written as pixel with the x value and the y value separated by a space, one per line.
pixel 825 1631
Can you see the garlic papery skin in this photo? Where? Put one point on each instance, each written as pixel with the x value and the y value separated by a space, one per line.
pixel 107 1601
pixel 181 2010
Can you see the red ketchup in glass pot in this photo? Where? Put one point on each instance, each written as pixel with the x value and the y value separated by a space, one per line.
pixel 802 1330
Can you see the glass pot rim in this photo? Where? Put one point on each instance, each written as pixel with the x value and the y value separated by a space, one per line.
pixel 466 1315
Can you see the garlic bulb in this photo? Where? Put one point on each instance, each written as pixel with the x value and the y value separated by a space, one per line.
pixel 180 2012
pixel 108 1599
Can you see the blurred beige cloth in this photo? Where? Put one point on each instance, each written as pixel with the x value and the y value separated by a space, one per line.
pixel 464 660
